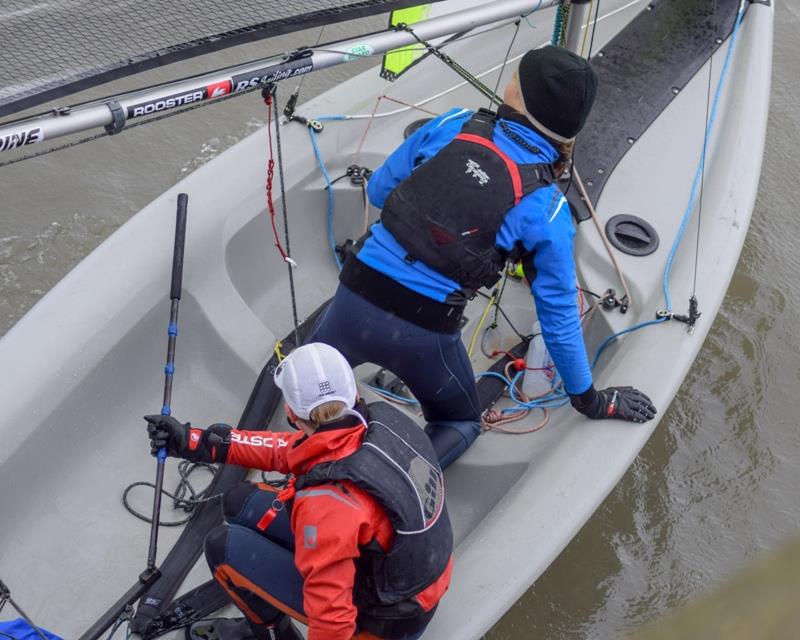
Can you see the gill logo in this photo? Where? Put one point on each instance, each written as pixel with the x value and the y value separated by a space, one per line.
pixel 474 169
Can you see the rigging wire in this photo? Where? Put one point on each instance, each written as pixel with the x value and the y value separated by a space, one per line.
pixel 705 150
pixel 526 338
pixel 505 59
pixel 5 597
pixel 594 28
pixel 316 44
pixel 472 80
pixel 586 28
pixel 289 262
pixel 698 173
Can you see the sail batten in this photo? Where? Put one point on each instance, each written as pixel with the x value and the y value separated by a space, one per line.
pixel 50 50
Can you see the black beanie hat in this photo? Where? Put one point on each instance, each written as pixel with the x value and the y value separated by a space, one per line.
pixel 558 89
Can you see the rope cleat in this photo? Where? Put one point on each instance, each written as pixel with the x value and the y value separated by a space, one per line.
pixel 358 175
pixel 609 301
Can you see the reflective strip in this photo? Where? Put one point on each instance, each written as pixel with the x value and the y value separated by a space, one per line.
pixel 558 208
pixel 401 439
pixel 450 117
pixel 513 170
pixel 310 493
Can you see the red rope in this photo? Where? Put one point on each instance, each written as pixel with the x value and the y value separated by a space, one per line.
pixel 270 174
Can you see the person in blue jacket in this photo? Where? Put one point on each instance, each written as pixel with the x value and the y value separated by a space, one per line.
pixel 461 196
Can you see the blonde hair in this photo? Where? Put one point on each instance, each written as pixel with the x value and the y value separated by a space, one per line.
pixel 327 412
pixel 564 160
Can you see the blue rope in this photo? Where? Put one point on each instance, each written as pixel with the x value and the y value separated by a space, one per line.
pixel 558 397
pixel 394 396
pixel 614 336
pixel 693 193
pixel 329 188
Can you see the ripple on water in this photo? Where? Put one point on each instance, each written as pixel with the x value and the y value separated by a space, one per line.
pixel 30 266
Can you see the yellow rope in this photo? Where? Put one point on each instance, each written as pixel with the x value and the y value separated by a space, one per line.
pixel 480 324
pixel 586 27
pixel 278 346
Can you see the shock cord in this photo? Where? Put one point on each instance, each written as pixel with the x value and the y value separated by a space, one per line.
pixel 471 79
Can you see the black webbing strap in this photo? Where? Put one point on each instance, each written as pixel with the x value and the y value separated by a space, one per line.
pixel 197 604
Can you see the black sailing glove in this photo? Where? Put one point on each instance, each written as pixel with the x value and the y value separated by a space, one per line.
pixel 182 441
pixel 623 403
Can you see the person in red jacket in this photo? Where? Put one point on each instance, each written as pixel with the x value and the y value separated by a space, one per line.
pixel 357 545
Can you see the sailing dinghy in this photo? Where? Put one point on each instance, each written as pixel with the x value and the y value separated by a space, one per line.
pixel 669 160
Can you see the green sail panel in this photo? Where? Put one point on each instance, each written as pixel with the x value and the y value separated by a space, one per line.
pixel 398 61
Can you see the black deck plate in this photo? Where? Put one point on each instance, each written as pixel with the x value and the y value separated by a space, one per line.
pixel 641 71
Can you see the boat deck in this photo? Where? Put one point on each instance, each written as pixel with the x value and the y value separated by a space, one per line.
pixel 87 360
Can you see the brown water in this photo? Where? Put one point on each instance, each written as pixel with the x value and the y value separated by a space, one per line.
pixel 718 482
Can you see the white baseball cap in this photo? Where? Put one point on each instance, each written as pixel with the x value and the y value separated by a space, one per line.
pixel 314 374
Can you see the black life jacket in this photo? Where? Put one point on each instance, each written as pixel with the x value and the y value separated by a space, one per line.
pixel 396 465
pixel 446 214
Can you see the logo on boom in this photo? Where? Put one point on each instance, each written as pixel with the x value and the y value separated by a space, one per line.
pixel 218 89
pixel 170 102
pixel 279 71
pixel 14 140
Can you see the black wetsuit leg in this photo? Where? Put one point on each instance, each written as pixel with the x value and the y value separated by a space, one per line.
pixel 435 366
pixel 250 564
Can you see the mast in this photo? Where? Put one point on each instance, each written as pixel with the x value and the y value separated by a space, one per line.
pixel 114 113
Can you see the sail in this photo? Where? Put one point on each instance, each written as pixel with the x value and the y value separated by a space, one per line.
pixel 50 50
pixel 397 61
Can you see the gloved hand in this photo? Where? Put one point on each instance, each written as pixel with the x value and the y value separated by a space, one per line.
pixel 623 403
pixel 183 441
pixel 166 431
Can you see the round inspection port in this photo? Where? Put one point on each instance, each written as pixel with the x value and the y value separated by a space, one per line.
pixel 632 235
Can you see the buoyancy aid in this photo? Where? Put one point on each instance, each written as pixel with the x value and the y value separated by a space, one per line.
pixel 396 465
pixel 448 211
